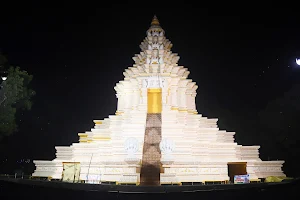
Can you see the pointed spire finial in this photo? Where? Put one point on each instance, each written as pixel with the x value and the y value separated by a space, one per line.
pixel 155 21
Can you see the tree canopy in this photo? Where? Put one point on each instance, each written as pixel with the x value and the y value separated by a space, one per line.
pixel 15 95
pixel 281 118
pixel 280 127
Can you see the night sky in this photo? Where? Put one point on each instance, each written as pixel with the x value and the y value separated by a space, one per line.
pixel 78 53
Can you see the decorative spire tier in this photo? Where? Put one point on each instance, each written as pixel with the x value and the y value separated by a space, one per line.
pixel 156 66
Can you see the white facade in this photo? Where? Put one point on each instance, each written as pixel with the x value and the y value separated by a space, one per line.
pixel 193 148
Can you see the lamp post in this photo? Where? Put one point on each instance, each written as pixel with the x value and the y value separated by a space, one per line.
pixel 2 92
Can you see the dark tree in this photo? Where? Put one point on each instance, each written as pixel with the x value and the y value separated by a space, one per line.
pixel 15 95
pixel 280 127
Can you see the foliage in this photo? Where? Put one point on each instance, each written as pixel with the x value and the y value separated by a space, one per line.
pixel 281 118
pixel 280 128
pixel 3 60
pixel 15 95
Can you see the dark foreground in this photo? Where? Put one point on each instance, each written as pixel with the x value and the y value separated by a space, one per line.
pixel 31 189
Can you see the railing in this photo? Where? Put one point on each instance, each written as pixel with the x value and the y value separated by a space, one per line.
pixel 29 177
pixel 15 176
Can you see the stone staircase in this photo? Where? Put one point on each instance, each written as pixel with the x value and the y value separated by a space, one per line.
pixel 150 170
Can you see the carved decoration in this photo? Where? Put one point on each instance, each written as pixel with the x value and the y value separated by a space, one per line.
pixel 131 146
pixel 167 146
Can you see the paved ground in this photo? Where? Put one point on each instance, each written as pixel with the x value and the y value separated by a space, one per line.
pixel 30 189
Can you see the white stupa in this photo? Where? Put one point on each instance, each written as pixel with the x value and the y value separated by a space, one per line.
pixel 156 109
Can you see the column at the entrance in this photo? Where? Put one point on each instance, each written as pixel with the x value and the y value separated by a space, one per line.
pixel 143 99
pixel 165 95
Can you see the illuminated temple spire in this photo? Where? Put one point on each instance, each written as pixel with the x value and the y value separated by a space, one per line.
pixel 155 21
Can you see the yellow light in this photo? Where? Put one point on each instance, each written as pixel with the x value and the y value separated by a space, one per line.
pixel 154 100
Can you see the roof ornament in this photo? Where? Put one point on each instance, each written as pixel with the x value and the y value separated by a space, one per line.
pixel 155 21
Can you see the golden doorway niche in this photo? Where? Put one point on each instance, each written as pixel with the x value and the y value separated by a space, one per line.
pixel 154 100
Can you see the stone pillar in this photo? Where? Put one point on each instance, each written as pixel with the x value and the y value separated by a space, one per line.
pixel 120 102
pixel 189 101
pixel 181 98
pixel 169 97
pixel 143 99
pixel 173 94
pixel 128 100
pixel 135 93
pixel 136 98
pixel 193 102
pixel 165 95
